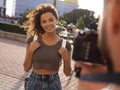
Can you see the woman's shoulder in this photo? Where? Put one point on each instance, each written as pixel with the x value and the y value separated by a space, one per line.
pixel 29 39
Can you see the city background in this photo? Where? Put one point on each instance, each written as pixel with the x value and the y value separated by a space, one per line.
pixel 13 36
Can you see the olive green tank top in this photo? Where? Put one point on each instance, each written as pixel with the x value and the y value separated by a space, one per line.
pixel 47 57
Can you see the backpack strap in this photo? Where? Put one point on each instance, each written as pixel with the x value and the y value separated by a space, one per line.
pixel 63 43
pixel 35 37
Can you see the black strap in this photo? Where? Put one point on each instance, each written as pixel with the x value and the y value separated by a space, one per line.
pixel 100 77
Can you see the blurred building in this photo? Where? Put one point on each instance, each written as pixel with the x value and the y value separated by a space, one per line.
pixel 20 6
pixel 2 8
pixel 73 1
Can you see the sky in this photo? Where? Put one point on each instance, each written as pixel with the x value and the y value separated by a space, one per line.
pixel 94 5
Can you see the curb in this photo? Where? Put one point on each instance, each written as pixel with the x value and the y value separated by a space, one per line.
pixel 13 36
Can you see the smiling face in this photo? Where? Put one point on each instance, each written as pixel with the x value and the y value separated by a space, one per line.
pixel 48 22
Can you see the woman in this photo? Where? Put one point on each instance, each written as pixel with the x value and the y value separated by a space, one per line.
pixel 44 54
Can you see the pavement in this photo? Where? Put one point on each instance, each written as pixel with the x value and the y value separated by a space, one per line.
pixel 12 75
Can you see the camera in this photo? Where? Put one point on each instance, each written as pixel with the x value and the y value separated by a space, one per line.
pixel 85 47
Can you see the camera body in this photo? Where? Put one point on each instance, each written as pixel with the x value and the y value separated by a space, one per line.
pixel 85 47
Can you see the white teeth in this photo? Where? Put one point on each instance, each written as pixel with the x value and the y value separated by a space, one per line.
pixel 49 28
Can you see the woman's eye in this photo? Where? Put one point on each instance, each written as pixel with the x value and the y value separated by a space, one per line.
pixel 49 20
pixel 43 21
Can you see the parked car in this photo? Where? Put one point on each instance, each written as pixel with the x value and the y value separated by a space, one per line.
pixel 61 31
pixel 70 27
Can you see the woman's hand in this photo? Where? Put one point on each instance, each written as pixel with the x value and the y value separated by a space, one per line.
pixel 34 45
pixel 29 52
pixel 66 59
pixel 64 53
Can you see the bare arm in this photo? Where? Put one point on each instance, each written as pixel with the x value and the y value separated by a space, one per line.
pixel 66 55
pixel 67 64
pixel 29 53
pixel 28 63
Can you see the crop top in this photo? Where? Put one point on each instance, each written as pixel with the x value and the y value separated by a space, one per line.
pixel 47 57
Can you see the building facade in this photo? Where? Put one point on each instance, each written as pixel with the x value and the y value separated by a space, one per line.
pixel 20 6
pixel 2 8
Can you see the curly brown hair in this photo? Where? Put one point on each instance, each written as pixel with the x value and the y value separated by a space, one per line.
pixel 32 24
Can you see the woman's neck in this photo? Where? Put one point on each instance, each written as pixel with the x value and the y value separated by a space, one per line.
pixel 52 35
pixel 51 39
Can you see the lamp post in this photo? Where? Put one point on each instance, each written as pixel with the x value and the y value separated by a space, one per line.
pixel 55 3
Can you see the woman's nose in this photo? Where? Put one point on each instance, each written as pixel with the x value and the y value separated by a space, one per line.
pixel 47 23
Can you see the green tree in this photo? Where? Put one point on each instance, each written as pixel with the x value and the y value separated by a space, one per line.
pixel 62 23
pixel 73 16
pixel 88 17
pixel 80 23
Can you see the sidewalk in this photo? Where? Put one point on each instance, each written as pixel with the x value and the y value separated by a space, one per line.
pixel 11 67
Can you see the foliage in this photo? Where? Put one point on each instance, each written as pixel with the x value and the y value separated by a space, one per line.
pixel 88 17
pixel 91 22
pixel 73 16
pixel 80 23
pixel 12 28
pixel 62 23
